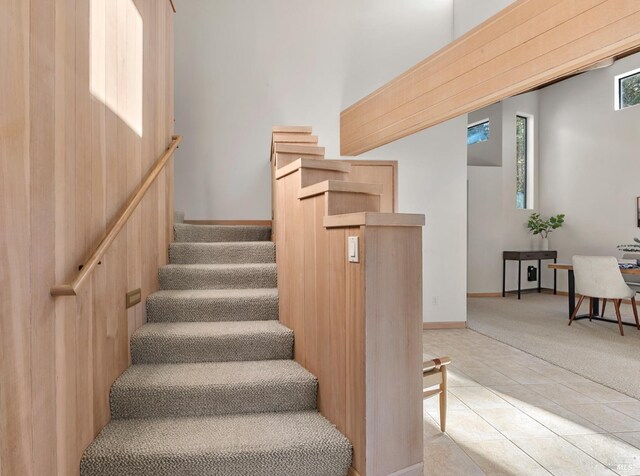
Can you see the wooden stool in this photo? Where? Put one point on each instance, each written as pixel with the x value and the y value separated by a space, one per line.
pixel 434 373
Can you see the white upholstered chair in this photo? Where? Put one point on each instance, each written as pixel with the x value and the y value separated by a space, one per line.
pixel 600 277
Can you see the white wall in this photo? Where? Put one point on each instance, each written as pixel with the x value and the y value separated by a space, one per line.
pixel 244 66
pixel 470 13
pixel 495 224
pixel 590 163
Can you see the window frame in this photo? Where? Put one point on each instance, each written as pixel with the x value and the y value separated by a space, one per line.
pixel 618 90
pixel 529 169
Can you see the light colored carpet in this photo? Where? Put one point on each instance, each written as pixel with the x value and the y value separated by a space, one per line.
pixel 181 342
pixel 537 324
pixel 214 389
pixel 207 305
pixel 259 444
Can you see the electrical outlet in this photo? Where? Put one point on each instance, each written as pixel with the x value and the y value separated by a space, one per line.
pixel 435 300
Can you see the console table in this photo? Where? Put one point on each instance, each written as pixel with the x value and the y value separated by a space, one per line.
pixel 521 256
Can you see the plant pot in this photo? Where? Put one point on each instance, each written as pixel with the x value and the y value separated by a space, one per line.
pixel 544 244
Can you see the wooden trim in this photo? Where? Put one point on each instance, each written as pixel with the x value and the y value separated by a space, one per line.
pixel 373 219
pixel 229 222
pixel 528 45
pixel 430 326
pixel 135 198
pixel 319 164
pixel 302 149
pixel 295 137
pixel 352 472
pixel 415 470
pixel 292 129
pixel 340 186
pixel 483 295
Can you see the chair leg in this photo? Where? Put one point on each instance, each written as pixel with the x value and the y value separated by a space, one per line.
pixel 634 305
pixel 617 306
pixel 590 308
pixel 604 306
pixel 443 399
pixel 575 311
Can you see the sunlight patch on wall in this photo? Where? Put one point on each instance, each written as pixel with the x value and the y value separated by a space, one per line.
pixel 116 38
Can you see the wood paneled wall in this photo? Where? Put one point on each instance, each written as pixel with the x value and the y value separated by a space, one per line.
pixel 526 45
pixel 357 326
pixel 86 108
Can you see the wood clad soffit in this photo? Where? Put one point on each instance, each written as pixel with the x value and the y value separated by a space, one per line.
pixel 340 186
pixel 318 164
pixel 527 45
pixel 374 219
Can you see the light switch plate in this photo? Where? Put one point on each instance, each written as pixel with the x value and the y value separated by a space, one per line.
pixel 353 252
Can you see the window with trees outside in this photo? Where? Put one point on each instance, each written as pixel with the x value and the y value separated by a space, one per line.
pixel 628 89
pixel 478 132
pixel 522 142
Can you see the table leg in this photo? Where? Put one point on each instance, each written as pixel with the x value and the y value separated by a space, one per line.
pixel 519 276
pixel 555 277
pixel 504 271
pixel 539 276
pixel 596 307
pixel 572 292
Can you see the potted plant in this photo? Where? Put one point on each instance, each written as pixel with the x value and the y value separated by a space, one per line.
pixel 538 226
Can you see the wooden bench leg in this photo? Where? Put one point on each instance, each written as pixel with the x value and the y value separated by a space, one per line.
pixel 443 400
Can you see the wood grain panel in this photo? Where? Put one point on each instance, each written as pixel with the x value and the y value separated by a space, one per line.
pixel 356 325
pixel 530 44
pixel 69 155
pixel 383 172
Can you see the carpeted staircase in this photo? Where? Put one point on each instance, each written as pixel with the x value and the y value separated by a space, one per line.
pixel 213 389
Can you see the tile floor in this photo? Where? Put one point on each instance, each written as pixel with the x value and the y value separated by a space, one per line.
pixel 511 413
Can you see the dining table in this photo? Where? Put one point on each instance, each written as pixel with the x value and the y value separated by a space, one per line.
pixel 624 269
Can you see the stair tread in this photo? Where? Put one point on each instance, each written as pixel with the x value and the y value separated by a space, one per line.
pixel 219 266
pixel 213 374
pixel 177 342
pixel 206 330
pixel 277 444
pixel 217 276
pixel 214 293
pixel 213 305
pixel 221 233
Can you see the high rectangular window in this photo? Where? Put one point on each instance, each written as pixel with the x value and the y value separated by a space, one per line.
pixel 628 89
pixel 522 166
pixel 478 132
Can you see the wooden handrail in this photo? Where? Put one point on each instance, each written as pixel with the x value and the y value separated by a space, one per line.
pixel 135 198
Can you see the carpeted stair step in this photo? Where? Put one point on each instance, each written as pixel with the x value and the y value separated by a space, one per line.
pixel 218 388
pixel 209 305
pixel 181 342
pixel 217 276
pixel 266 444
pixel 220 233
pixel 223 253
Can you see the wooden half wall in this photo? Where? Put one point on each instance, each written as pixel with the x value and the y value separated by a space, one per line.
pixel 86 108
pixel 527 45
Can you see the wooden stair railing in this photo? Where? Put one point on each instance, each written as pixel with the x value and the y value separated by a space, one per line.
pixel 136 197
pixel 357 325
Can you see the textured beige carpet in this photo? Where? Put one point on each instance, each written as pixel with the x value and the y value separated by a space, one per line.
pixel 538 325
